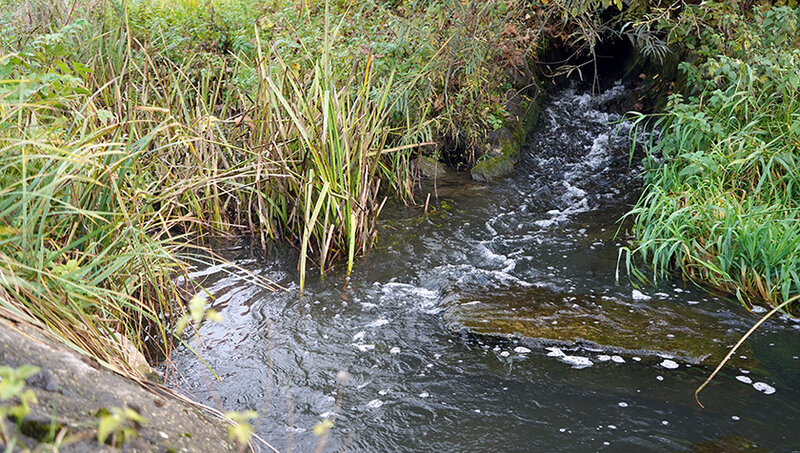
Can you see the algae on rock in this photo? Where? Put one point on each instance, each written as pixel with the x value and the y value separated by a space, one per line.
pixel 538 318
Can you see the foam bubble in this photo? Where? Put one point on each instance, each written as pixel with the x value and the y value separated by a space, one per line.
pixel 764 388
pixel 744 379
pixel 669 364
pixel 577 361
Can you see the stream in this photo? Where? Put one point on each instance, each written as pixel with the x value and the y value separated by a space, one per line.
pixel 380 356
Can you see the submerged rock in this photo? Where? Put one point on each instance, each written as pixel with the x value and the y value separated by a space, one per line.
pixel 541 318
pixel 730 444
pixel 430 168
pixel 73 392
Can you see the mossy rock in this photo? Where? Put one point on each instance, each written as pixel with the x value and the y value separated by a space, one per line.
pixel 541 318
pixel 502 149
pixel 494 168
pixel 730 444
pixel 430 168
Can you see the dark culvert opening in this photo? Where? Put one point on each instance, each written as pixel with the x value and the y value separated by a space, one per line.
pixel 614 59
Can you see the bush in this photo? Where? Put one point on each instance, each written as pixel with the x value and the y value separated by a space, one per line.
pixel 722 194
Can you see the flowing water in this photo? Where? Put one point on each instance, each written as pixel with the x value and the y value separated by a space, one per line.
pixel 376 355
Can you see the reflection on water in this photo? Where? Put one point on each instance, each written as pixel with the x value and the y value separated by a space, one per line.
pixel 413 385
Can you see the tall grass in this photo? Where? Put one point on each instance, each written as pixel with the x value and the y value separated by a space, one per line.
pixel 110 158
pixel 331 139
pixel 115 159
pixel 722 195
pixel 78 253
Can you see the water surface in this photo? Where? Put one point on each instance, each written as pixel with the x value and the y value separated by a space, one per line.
pixel 374 354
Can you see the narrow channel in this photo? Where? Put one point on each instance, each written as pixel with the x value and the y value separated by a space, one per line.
pixel 379 354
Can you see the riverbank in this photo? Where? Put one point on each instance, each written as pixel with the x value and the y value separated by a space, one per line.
pixel 78 405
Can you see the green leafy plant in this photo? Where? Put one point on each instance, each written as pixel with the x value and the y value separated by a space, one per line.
pixel 118 425
pixel 240 431
pixel 722 194
pixel 15 401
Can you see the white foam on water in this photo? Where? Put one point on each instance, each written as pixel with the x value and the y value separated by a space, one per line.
pixel 744 379
pixel 505 261
pixel 468 274
pixel 374 404
pixel 669 364
pixel 617 359
pixel 394 350
pixel 555 352
pixel 419 297
pixel 378 322
pixel 638 295
pixel 603 358
pixel 764 388
pixel 576 361
pixel 364 347
pixel 547 222
pixel 395 287
pixel 521 350
pixel 598 156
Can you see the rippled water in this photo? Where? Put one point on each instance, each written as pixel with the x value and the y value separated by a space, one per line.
pixel 413 385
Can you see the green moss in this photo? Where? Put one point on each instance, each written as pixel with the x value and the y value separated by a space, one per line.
pixel 544 318
pixel 40 430
pixel 502 165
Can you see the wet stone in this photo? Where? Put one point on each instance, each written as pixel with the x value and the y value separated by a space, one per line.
pixel 540 318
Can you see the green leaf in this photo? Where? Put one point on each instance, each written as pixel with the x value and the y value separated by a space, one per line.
pixel 240 432
pixel 108 425
pixel 197 307
pixel 323 427
pixel 690 170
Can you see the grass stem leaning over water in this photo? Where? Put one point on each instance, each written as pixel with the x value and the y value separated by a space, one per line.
pixel 739 343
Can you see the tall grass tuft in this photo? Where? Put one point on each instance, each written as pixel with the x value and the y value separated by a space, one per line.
pixel 111 160
pixel 78 253
pixel 331 139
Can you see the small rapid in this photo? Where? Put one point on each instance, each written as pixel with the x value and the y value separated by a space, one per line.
pixel 375 353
